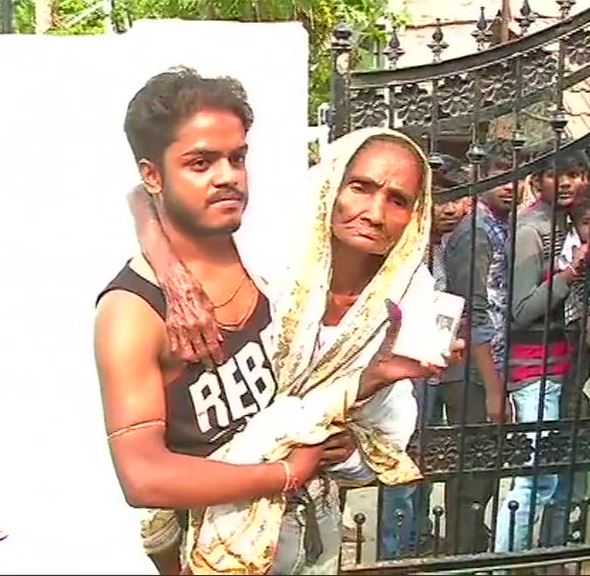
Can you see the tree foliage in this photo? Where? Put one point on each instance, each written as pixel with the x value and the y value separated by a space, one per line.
pixel 318 16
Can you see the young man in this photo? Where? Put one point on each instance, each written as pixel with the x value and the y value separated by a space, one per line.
pixel 467 531
pixel 164 416
pixel 528 385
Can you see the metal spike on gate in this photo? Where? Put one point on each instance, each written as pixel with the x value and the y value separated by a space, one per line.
pixel 435 160
pixel 438 44
pixel 558 120
pixel 482 32
pixel 526 18
pixel 513 506
pixel 565 7
pixel 437 512
pixel 359 519
pixel 394 51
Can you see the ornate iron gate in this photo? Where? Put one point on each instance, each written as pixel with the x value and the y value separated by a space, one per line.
pixel 520 94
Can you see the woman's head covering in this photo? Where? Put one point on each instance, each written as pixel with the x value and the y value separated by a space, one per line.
pixel 299 312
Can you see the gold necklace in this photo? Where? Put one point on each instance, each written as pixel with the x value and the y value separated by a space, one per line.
pixel 233 294
pixel 237 324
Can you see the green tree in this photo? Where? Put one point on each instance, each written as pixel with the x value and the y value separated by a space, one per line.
pixel 318 16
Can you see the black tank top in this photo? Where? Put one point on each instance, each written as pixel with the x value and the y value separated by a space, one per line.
pixel 205 409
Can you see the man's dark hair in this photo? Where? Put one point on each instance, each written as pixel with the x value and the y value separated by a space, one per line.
pixel 581 206
pixel 168 99
pixel 498 158
pixel 451 172
pixel 575 160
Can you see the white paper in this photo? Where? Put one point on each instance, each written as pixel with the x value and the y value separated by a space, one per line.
pixel 434 324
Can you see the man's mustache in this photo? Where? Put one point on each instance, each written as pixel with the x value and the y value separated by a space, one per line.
pixel 227 193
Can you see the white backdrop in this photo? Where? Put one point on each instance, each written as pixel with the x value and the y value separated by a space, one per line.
pixel 64 170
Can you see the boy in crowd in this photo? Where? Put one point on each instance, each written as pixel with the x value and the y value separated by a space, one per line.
pixel 529 387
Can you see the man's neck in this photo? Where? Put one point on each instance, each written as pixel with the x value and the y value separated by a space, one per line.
pixel 352 269
pixel 501 215
pixel 202 252
pixel 435 238
pixel 561 213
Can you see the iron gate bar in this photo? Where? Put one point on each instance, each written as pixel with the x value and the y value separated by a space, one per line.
pixel 487 113
pixel 468 99
pixel 525 169
pixel 477 562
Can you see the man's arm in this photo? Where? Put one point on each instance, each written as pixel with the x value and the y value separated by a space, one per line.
pixel 530 289
pixel 128 340
pixel 482 329
pixel 190 318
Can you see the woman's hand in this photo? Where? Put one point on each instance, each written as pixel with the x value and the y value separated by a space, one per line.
pixel 190 318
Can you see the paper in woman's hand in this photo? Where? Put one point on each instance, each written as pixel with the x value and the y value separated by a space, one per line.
pixel 429 330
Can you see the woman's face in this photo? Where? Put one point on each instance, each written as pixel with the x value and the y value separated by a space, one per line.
pixel 377 197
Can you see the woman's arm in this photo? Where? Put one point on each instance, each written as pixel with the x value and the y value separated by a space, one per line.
pixel 190 318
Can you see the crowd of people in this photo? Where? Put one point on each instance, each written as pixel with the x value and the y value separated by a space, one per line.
pixel 236 406
pixel 494 395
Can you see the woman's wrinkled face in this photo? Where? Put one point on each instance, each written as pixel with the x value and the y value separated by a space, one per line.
pixel 377 197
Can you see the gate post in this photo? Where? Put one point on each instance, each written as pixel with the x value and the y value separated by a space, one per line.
pixel 341 51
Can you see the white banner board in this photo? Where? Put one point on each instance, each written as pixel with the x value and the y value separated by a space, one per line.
pixel 65 169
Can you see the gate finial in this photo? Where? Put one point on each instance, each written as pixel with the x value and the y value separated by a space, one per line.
pixel 394 50
pixel 526 18
pixel 438 44
pixel 482 33
pixel 565 6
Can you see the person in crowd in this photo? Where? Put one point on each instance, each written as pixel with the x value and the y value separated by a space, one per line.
pixel 484 399
pixel 535 385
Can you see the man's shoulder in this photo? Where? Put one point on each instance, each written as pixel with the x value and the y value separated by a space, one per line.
pixel 461 235
pixel 126 326
pixel 131 301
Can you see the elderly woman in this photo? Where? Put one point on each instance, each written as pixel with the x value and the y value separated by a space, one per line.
pixel 365 247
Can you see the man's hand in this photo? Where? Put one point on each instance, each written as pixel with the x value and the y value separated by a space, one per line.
pixel 385 368
pixel 499 408
pixel 337 449
pixel 578 265
pixel 190 318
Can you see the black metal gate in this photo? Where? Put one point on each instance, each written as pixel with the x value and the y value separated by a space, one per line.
pixel 523 95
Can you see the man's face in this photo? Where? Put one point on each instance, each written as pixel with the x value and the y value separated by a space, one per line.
pixel 203 183
pixel 377 197
pixel 570 183
pixel 500 198
pixel 447 215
